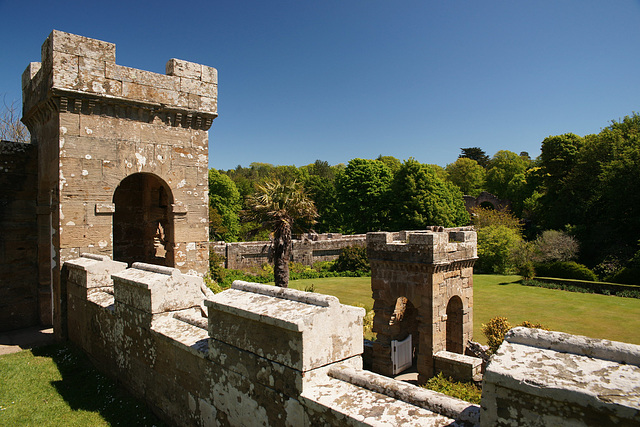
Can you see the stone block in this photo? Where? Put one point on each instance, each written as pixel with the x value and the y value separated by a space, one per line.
pixel 181 68
pixel 458 366
pixel 72 44
pixel 156 289
pixel 93 271
pixel 291 324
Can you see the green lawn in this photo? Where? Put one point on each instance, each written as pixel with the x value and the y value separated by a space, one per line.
pixel 593 315
pixel 57 386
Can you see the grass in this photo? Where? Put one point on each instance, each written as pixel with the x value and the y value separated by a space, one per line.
pixel 593 315
pixel 58 386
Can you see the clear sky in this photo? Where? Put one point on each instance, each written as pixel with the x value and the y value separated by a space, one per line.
pixel 337 79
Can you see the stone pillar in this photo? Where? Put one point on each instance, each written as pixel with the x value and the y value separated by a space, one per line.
pixel 101 127
pixel 415 277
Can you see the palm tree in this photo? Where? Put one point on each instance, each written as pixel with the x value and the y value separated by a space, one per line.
pixel 276 206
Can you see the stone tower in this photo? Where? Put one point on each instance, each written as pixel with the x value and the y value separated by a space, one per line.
pixel 422 283
pixel 122 158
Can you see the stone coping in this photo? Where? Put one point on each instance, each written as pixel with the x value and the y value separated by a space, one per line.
pixel 577 344
pixel 261 304
pixel 448 406
pixel 567 368
pixel 355 405
pixel 459 358
pixel 286 293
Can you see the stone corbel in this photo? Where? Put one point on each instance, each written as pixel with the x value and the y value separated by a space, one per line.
pixel 178 209
pixel 105 208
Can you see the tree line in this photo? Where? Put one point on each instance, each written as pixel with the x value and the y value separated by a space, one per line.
pixel 585 188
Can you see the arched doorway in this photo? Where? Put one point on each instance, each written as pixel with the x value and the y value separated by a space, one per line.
pixel 454 325
pixel 142 222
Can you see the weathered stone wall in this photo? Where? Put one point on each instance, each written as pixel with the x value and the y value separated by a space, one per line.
pixel 542 378
pixel 263 356
pixel 104 130
pixel 422 283
pixel 306 250
pixel 19 293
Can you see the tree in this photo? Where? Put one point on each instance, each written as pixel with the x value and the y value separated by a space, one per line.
pixel 499 238
pixel 506 174
pixel 475 153
pixel 554 245
pixel 225 204
pixel 279 206
pixel 422 199
pixel 468 175
pixel 363 194
pixel 392 163
pixel 11 128
pixel 495 248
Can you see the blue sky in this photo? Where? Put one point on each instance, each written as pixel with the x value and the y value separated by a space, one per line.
pixel 334 80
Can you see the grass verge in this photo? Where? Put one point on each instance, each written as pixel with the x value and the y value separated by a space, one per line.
pixel 57 386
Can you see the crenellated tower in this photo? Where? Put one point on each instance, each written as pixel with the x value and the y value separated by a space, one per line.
pixel 422 284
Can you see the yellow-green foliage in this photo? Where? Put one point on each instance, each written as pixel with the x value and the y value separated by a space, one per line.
pixel 461 390
pixel 496 328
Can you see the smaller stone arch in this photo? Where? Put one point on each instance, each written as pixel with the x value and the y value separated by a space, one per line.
pixel 143 228
pixel 454 325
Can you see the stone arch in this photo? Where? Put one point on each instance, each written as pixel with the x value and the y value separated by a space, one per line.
pixel 143 229
pixel 455 317
pixel 487 205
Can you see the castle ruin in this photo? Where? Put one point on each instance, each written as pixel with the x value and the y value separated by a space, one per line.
pixel 120 244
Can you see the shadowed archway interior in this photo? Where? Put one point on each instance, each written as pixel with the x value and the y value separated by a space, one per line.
pixel 142 222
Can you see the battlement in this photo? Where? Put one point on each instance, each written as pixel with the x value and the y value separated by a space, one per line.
pixel 436 245
pixel 84 72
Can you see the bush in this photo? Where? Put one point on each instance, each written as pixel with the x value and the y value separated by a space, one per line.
pixel 496 244
pixel 352 258
pixel 495 330
pixel 553 245
pixel 565 270
pixel 216 266
pixel 462 390
pixel 619 290
pixel 497 327
pixel 627 275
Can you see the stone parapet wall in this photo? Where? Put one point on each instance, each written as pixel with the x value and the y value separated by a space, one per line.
pixel 307 250
pixel 258 355
pixel 22 302
pixel 550 378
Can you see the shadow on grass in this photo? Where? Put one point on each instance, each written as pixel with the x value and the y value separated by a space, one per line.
pixel 517 281
pixel 86 389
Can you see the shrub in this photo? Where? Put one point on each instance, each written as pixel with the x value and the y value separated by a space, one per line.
pixel 627 275
pixel 496 245
pixel 462 390
pixel 216 266
pixel 553 245
pixel 352 258
pixel 497 327
pixel 565 270
pixel 495 330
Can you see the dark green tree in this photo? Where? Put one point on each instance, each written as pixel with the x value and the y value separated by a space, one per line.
pixel 363 195
pixel 225 204
pixel 475 153
pixel 421 199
